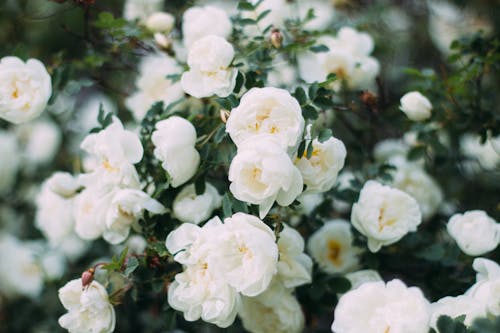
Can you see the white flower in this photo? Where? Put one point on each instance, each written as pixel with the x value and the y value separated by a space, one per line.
pixel 321 169
pixel 116 150
pixel 457 306
pixel 21 274
pixel 160 22
pixel 487 287
pixel 85 116
pixel 483 153
pixel 294 266
pixel 111 213
pixel 389 149
pixel 62 184
pixel 416 106
pixel 40 141
pixel 9 166
pixel 380 307
pixel 358 278
pixel 384 214
pixel 412 179
pixel 25 89
pixel 192 208
pixel 261 173
pixel 475 232
pixel 324 12
pixel 53 264
pixel 153 85
pixel 348 57
pixel 174 140
pixel 198 22
pixel 331 247
pixel 276 310
pixel 209 61
pixel 88 308
pixel 199 293
pixel 309 202
pixel 141 9
pixel 246 253
pixel 269 111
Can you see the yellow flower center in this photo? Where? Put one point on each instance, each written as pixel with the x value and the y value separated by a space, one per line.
pixel 382 222
pixel 334 251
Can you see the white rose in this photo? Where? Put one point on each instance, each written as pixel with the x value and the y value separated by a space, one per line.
pixel 364 73
pixel 269 111
pixel 380 307
pixel 40 140
pixel 21 274
pixel 153 85
pixel 487 287
pixel 199 293
pixel 416 106
pixel 276 310
pixel 9 166
pixel 331 247
pixel 116 150
pixel 262 173
pixel 475 232
pixel 111 213
pixel 294 266
pixel 384 214
pixel 62 184
pixel 321 169
pixel 390 148
pixel 246 253
pixel 160 22
pixel 457 306
pixel 412 179
pixel 174 140
pixel 324 12
pixel 198 22
pixel 192 208
pixel 209 61
pixel 483 153
pixel 309 202
pixel 25 89
pixel 358 278
pixel 53 264
pixel 88 308
pixel 140 9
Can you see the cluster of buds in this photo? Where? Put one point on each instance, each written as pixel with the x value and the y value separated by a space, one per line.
pixel 276 38
pixel 87 277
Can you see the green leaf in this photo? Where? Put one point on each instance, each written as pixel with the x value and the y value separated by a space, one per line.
pixel 263 14
pixel 313 90
pixel 309 150
pixel 199 185
pixel 226 206
pixel 224 103
pixel 301 149
pixel 319 48
pixel 132 264
pixel 220 134
pixel 247 21
pixel 300 95
pixel 309 112
pixel 339 285
pixel 324 135
pixel 447 325
pixel 245 6
pixel 416 153
pixel 240 79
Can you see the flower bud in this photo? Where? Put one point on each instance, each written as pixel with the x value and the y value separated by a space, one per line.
pixel 160 22
pixel 87 277
pixel 224 115
pixel 162 40
pixel 276 38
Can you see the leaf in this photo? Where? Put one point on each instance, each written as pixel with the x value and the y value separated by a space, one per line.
pixel 447 325
pixel 416 153
pixel 309 112
pixel 319 48
pixel 132 264
pixel 224 103
pixel 339 285
pixel 199 185
pixel 300 95
pixel 220 134
pixel 324 135
pixel 301 149
pixel 309 150
pixel 240 79
pixel 313 90
pixel 245 6
pixel 226 206
pixel 247 21
pixel 263 14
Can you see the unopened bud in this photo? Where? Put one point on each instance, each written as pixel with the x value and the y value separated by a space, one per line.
pixel 224 115
pixel 276 38
pixel 87 277
pixel 162 40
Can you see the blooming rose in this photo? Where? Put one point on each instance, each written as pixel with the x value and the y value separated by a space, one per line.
pixel 247 254
pixel 192 208
pixel 88 308
pixel 21 274
pixel 475 232
pixel 25 89
pixel 40 141
pixel 457 306
pixel 261 173
pixel 483 153
pixel 487 287
pixel 412 179
pixel 321 169
pixel 267 110
pixel 276 310
pixel 9 166
pixel 209 72
pixel 140 9
pixel 294 266
pixel 160 22
pixel 384 214
pixel 380 307
pixel 174 140
pixel 416 106
pixel 331 247
pixel 198 22
pixel 153 85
